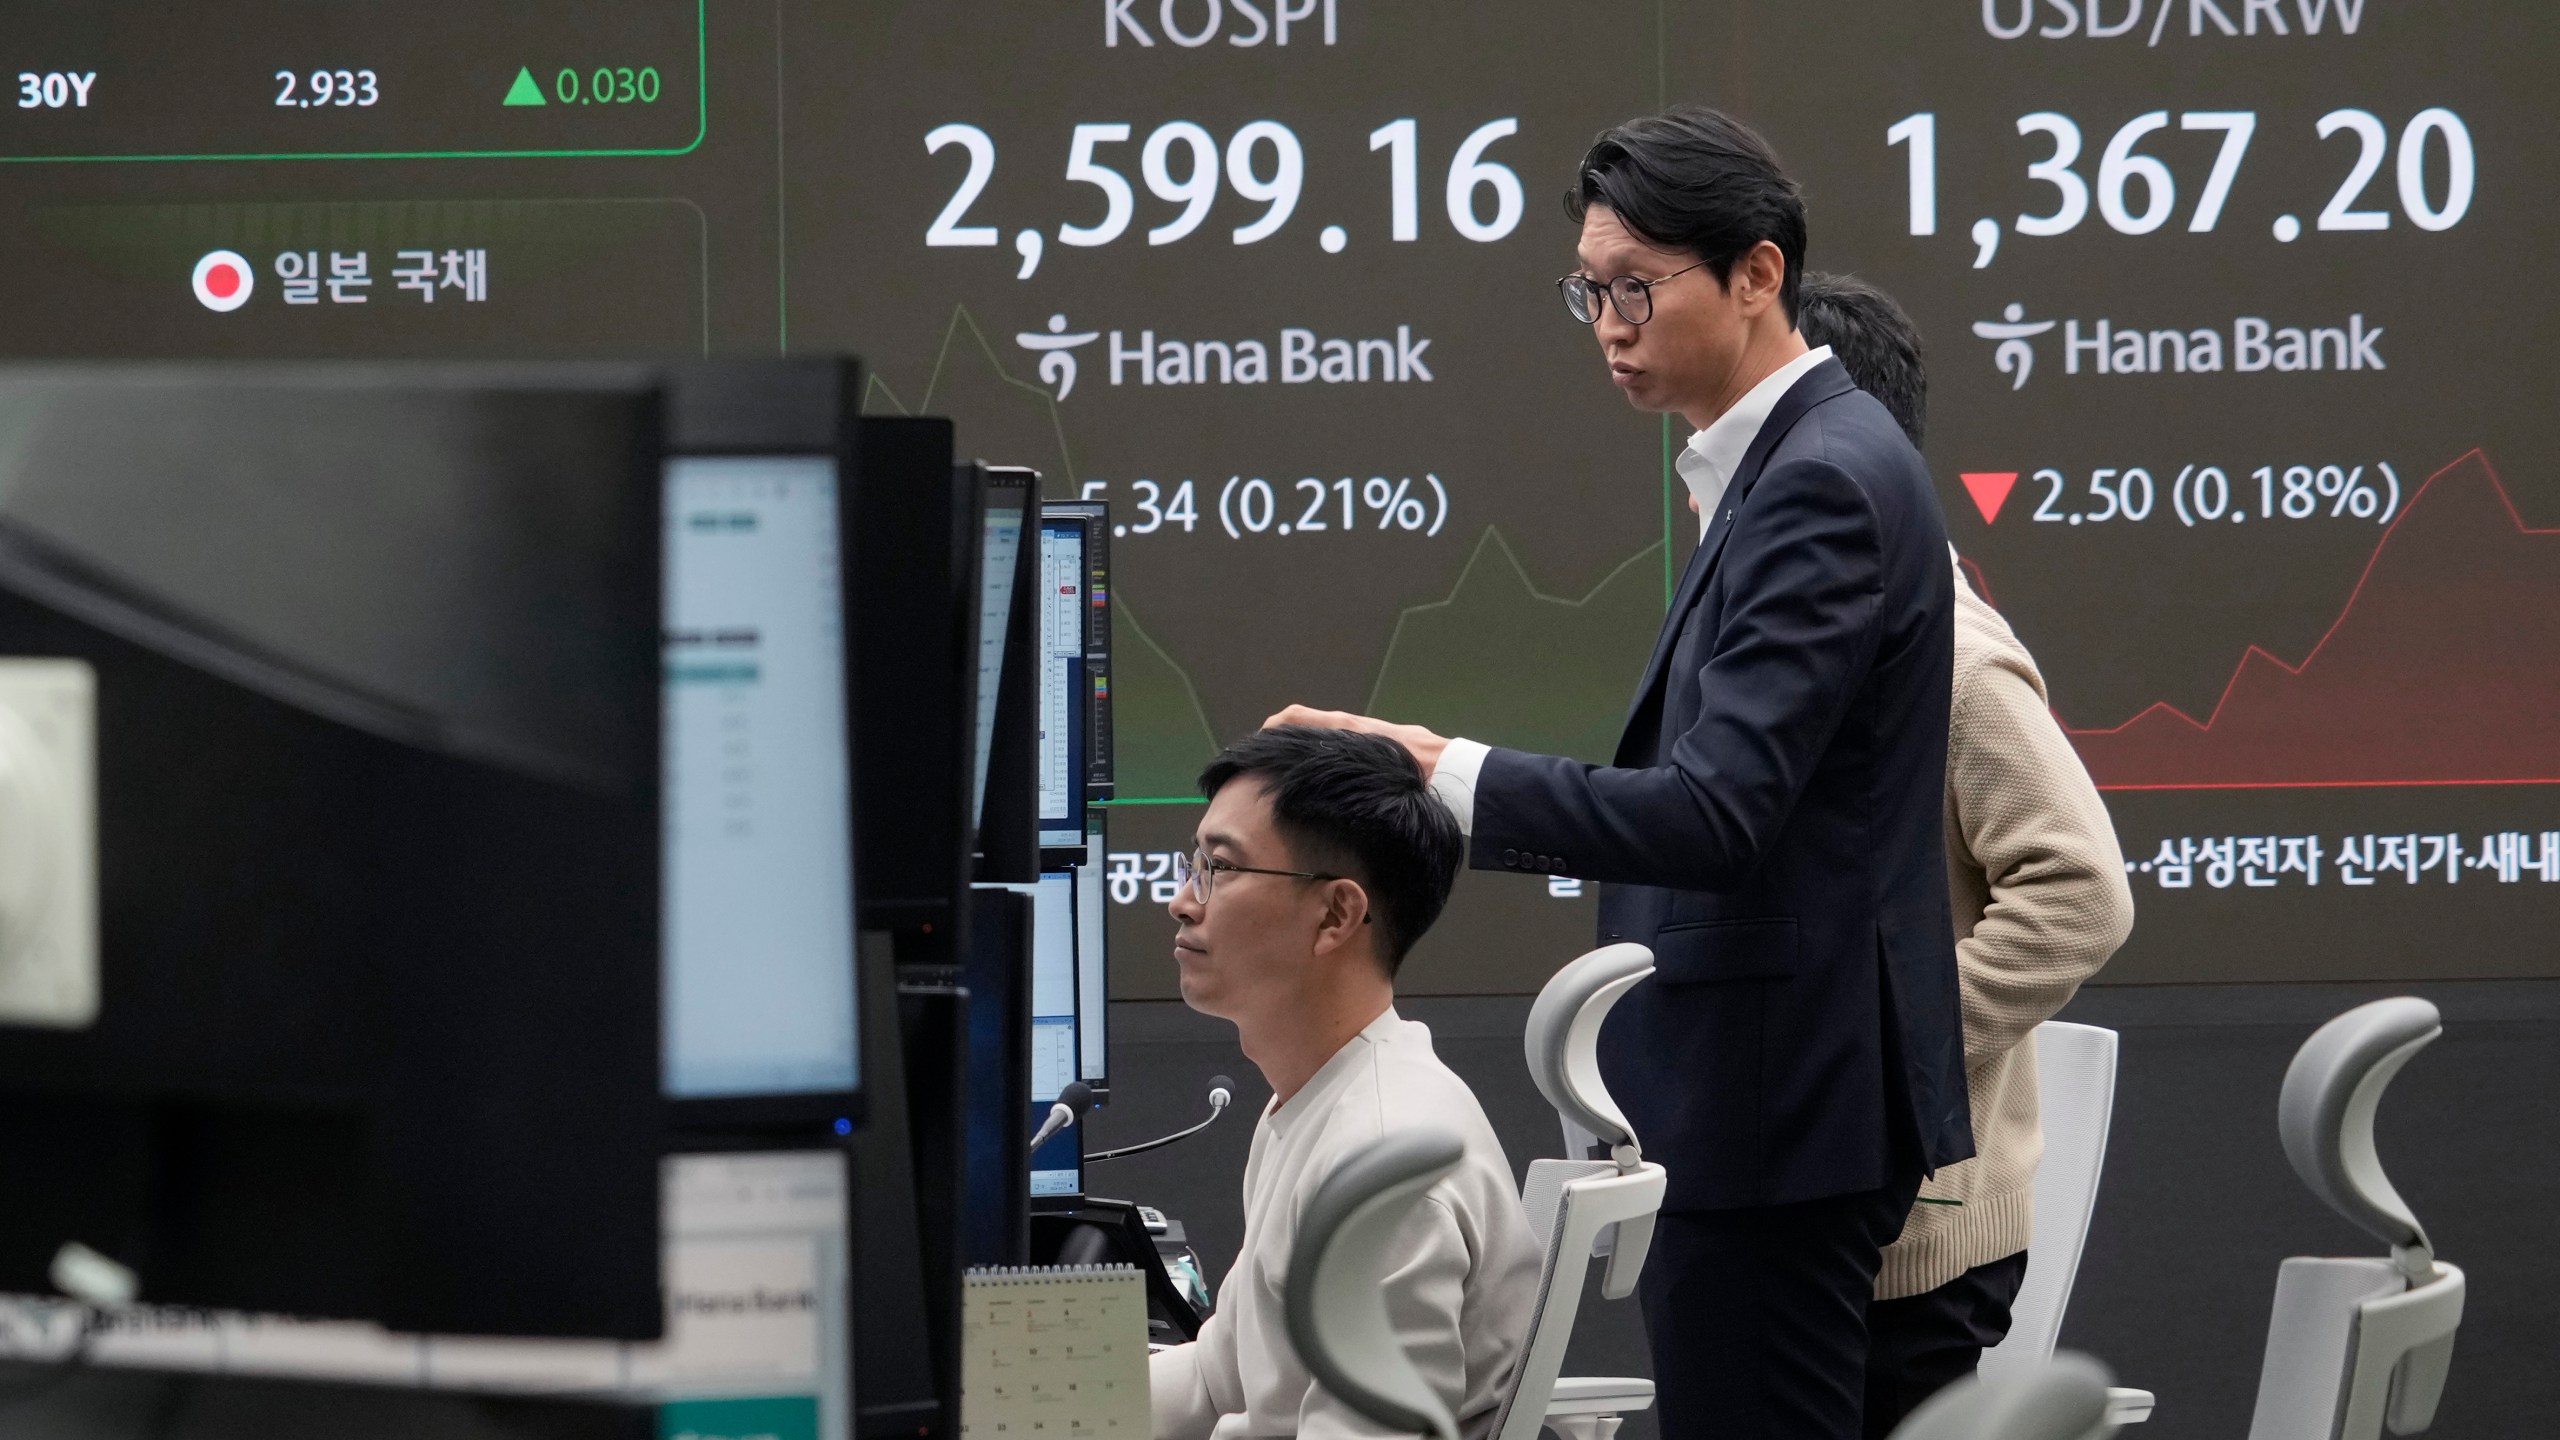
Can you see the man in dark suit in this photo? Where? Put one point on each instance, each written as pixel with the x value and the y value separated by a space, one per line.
pixel 1771 823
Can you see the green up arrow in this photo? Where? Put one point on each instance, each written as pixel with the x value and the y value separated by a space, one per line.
pixel 525 91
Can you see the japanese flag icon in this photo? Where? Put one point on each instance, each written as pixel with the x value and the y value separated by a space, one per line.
pixel 223 280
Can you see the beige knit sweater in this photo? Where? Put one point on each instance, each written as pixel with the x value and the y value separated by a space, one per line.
pixel 2040 903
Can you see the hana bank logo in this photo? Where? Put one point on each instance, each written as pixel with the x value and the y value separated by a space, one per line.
pixel 2015 357
pixel 1056 350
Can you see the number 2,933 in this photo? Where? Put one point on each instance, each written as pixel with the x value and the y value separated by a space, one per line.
pixel 327 88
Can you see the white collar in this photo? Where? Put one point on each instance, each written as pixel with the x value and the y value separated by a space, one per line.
pixel 1713 454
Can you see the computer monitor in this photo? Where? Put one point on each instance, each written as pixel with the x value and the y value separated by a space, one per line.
pixel 1008 839
pixel 1057 1168
pixel 1093 970
pixel 912 576
pixel 759 800
pixel 995 1194
pixel 369 671
pixel 761 1026
pixel 1075 673
pixel 1008 492
pixel 907 537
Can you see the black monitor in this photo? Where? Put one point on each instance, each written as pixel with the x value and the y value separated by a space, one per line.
pixel 1075 673
pixel 912 577
pixel 995 1194
pixel 1008 841
pixel 761 1022
pixel 1093 966
pixel 369 659
pixel 891 557
pixel 1007 492
pixel 1057 1168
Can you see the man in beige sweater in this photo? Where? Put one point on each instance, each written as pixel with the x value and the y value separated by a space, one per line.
pixel 2040 903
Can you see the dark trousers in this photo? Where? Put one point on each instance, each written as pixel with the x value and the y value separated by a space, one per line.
pixel 1758 1318
pixel 1920 1344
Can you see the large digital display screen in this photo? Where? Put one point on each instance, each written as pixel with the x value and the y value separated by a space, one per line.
pixel 2236 361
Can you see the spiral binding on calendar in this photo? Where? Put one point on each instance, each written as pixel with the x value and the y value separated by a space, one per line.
pixel 1027 1274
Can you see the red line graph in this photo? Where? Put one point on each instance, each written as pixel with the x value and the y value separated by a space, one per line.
pixel 2441 669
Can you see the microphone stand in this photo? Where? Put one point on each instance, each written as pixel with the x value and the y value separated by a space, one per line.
pixel 1217 1107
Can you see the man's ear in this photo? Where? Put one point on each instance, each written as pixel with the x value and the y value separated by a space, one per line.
pixel 1345 919
pixel 1758 276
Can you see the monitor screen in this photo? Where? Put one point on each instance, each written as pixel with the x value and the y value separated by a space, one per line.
pixel 1093 973
pixel 354 673
pixel 1000 547
pixel 1062 651
pixel 1055 1056
pixel 759 867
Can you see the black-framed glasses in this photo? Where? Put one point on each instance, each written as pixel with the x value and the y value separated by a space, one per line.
pixel 1629 295
pixel 1200 870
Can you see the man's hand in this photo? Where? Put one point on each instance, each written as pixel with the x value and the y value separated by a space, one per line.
pixel 1424 746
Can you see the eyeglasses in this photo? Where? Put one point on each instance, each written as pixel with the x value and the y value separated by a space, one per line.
pixel 1630 296
pixel 1200 871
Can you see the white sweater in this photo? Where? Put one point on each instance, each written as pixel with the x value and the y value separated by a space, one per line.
pixel 1460 1298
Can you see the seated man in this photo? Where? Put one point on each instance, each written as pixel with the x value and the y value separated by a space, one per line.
pixel 1323 856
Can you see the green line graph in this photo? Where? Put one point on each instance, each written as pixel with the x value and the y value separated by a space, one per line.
pixel 1497 660
pixel 1160 732
pixel 962 320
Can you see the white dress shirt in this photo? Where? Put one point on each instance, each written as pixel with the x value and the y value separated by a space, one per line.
pixel 1706 465
pixel 1460 1293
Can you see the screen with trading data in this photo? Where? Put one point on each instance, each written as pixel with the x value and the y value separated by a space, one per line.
pixel 2238 392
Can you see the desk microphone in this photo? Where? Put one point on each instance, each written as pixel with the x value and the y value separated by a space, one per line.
pixel 1222 1093
pixel 1073 1101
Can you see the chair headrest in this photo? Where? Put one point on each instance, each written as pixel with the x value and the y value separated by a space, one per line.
pixel 1563 1038
pixel 2064 1398
pixel 1335 1303
pixel 2326 1115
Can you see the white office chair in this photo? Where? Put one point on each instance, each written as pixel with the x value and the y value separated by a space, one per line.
pixel 1336 1303
pixel 1573 1204
pixel 2076 1100
pixel 2062 1398
pixel 2356 1344
pixel 1337 1316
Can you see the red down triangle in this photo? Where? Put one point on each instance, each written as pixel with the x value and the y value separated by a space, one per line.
pixel 1990 490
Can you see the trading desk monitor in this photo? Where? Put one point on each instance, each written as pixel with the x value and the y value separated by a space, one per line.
pixel 1009 493
pixel 1075 672
pixel 374 660
pixel 1058 1167
pixel 759 898
pixel 1093 971
pixel 908 577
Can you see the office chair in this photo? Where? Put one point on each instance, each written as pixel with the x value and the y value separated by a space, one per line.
pixel 1337 1317
pixel 1579 1206
pixel 2076 1100
pixel 1336 1305
pixel 2062 1398
pixel 2356 1344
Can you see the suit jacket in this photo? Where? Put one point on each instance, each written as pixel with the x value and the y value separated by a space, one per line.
pixel 1771 829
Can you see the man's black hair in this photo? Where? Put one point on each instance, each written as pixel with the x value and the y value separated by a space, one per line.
pixel 1356 806
pixel 1696 179
pixel 1873 340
